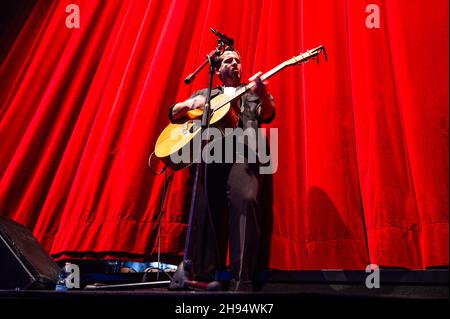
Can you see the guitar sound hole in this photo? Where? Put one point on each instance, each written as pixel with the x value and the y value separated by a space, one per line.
pixel 192 129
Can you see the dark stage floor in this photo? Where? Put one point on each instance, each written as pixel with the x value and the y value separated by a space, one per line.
pixel 285 292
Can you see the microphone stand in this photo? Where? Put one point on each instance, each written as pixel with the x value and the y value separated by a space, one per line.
pixel 182 279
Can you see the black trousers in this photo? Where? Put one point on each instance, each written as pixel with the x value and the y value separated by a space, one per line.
pixel 228 213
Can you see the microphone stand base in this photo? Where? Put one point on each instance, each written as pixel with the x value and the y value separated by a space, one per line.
pixel 182 280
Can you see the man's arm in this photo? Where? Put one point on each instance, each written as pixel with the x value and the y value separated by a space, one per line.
pixel 267 109
pixel 181 109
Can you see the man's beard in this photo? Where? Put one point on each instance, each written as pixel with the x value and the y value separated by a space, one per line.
pixel 235 75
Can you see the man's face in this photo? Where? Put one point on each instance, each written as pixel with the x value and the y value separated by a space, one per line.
pixel 230 70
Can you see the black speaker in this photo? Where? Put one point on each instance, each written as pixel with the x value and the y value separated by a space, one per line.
pixel 24 264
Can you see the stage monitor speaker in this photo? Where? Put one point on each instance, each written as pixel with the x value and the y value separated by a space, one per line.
pixel 24 264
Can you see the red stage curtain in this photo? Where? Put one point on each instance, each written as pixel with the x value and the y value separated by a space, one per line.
pixel 363 138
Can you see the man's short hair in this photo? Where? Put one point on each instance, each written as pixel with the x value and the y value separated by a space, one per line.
pixel 218 60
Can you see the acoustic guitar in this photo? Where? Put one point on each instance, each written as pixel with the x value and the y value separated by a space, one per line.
pixel 176 136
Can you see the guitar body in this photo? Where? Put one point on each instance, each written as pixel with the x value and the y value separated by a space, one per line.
pixel 173 139
pixel 223 114
pixel 178 138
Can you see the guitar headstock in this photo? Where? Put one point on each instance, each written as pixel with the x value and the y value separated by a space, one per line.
pixel 308 55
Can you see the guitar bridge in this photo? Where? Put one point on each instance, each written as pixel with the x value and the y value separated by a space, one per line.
pixel 190 129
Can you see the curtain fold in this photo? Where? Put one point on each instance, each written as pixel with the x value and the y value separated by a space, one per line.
pixel 362 139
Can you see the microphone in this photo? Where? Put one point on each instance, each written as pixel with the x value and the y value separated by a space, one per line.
pixel 227 40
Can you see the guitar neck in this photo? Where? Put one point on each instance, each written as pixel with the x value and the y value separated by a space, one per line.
pixel 274 71
pixel 296 60
pixel 241 91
